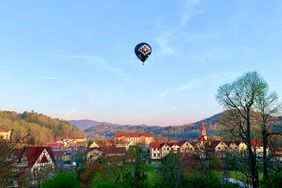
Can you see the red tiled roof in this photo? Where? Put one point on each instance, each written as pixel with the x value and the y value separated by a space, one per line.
pixel 32 154
pixel 257 143
pixel 55 144
pixel 107 143
pixel 156 144
pixel 201 138
pixel 119 134
pixel 3 130
pixel 74 138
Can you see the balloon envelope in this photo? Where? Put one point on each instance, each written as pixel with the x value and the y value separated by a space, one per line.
pixel 143 51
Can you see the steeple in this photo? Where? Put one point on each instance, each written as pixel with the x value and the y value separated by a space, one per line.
pixel 204 132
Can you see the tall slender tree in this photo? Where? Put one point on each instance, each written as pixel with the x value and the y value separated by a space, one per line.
pixel 238 98
pixel 266 107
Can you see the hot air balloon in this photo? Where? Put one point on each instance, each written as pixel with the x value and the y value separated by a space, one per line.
pixel 143 51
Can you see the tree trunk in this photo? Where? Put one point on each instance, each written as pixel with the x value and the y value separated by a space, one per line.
pixel 265 160
pixel 252 155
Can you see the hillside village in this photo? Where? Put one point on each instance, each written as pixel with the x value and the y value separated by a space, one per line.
pixel 31 164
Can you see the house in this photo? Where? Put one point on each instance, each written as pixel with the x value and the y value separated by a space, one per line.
pixel 174 147
pixel 197 145
pixel 233 145
pixel 242 147
pixel 108 152
pixel 137 138
pixel 126 145
pixel 257 147
pixel 204 137
pixel 165 149
pixel 219 146
pixel 56 146
pixel 37 159
pixel 155 150
pixel 5 135
pixel 74 140
pixel 94 145
pixel 108 143
pixel 185 146
pixel 159 150
pixel 277 153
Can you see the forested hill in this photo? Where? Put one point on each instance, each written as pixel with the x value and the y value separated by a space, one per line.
pixel 37 129
pixel 188 131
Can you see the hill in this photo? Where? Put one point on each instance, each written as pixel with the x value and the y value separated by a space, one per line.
pixel 86 123
pixel 37 129
pixel 94 129
pixel 183 132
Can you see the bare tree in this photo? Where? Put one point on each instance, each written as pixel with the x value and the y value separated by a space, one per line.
pixel 266 107
pixel 238 98
pixel 7 159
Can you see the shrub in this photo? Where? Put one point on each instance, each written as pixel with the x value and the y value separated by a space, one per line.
pixel 62 180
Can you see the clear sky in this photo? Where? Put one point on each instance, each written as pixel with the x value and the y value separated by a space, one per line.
pixel 75 59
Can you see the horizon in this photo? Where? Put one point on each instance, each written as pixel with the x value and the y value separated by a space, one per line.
pixel 75 60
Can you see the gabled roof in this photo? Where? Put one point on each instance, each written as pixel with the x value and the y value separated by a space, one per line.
pixel 181 143
pixel 120 134
pixel 156 144
pixel 214 143
pixel 236 142
pixel 33 153
pixel 194 143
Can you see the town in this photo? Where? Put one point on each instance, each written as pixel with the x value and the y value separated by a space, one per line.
pixel 140 94
pixel 32 164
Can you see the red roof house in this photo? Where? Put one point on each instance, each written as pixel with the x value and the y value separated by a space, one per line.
pixel 36 158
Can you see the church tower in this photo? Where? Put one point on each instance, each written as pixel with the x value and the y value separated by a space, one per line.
pixel 204 131
pixel 204 136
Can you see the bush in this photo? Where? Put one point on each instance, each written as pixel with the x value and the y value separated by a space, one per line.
pixel 62 180
pixel 274 180
pixel 205 180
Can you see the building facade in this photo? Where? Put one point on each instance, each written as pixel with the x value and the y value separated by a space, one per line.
pixel 135 138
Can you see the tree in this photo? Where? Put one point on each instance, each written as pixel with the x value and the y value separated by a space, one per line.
pixel 7 159
pixel 266 106
pixel 238 98
pixel 62 180
pixel 171 171
pixel 140 175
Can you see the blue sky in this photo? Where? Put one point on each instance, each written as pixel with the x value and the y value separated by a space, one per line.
pixel 75 59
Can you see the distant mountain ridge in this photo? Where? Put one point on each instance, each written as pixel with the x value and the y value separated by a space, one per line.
pixel 191 131
pixel 86 123
pixel 94 129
